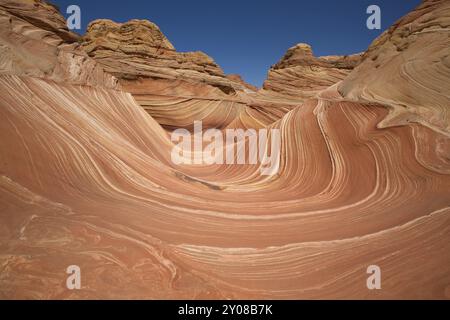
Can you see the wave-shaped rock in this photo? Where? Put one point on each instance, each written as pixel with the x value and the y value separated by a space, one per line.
pixel 86 176
pixel 167 83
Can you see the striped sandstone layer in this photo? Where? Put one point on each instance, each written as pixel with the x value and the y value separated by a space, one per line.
pixel 35 41
pixel 86 178
pixel 301 75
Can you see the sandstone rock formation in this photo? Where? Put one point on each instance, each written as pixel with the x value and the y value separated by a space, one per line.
pixel 301 75
pixel 238 78
pixel 86 176
pixel 407 68
pixel 166 82
pixel 35 41
pixel 138 49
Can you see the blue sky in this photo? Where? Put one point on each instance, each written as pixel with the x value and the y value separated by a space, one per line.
pixel 247 37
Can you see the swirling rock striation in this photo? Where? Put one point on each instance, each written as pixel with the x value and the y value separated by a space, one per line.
pixel 86 178
pixel 167 83
pixel 35 41
pixel 407 68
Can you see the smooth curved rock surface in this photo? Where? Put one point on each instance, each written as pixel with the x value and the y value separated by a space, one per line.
pixel 347 196
pixel 86 178
pixel 408 69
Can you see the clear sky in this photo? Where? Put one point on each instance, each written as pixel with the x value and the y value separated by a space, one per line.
pixel 248 36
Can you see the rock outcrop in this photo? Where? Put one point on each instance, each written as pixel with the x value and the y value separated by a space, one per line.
pixel 167 83
pixel 302 75
pixel 139 50
pixel 35 41
pixel 87 177
pixel 408 69
pixel 237 78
